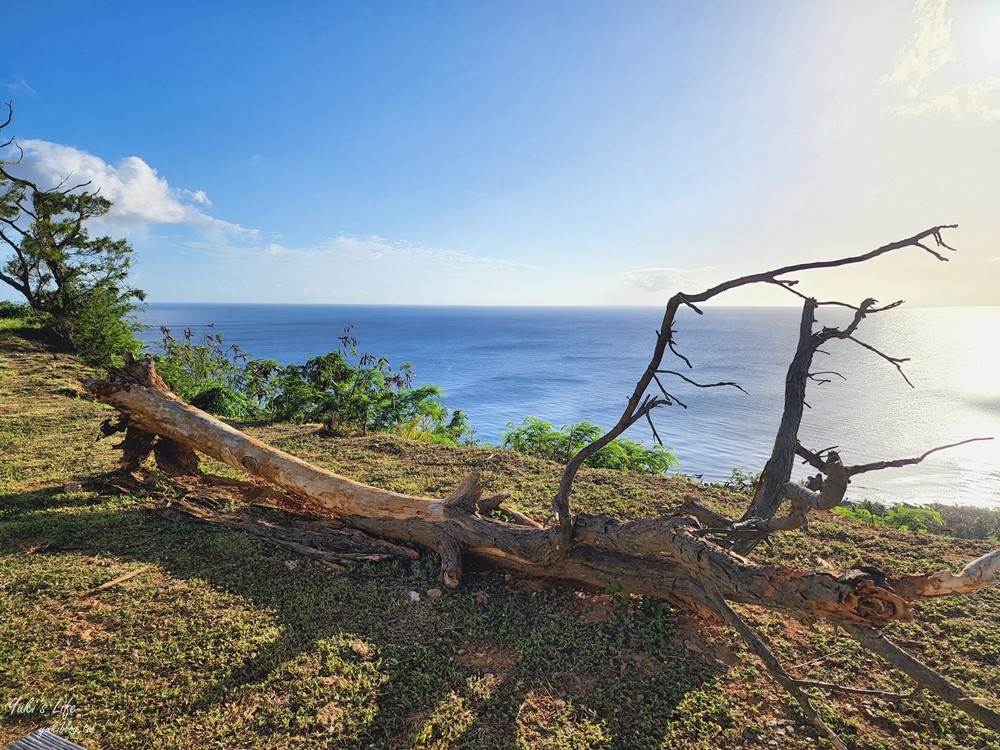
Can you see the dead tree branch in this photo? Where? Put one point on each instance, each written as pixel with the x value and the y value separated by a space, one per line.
pixel 665 339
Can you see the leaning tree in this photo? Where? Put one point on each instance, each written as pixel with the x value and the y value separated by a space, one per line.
pixel 692 556
pixel 78 283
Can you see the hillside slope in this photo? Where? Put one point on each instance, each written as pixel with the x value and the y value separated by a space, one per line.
pixel 222 641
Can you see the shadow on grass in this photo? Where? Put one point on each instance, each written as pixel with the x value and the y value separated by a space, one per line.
pixel 349 658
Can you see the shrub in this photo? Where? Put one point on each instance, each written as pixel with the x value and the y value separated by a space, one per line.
pixel 741 482
pixel 216 377
pixel 970 521
pixel 535 437
pixel 352 391
pixel 904 517
pixel 349 391
pixel 13 310
pixel 100 328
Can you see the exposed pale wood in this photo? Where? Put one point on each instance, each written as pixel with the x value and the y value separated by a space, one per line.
pixel 976 575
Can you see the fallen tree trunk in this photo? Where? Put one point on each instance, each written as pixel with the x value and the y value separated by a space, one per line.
pixel 669 558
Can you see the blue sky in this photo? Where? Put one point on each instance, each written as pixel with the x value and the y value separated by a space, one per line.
pixel 520 153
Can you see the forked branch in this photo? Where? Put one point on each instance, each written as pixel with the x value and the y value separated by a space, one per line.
pixel 665 340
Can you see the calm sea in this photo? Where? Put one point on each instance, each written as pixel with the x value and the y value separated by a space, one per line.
pixel 566 365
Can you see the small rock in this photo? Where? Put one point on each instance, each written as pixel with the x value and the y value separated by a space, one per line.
pixel 72 487
pixel 293 564
pixel 414 596
pixel 481 597
pixel 462 652
pixel 434 593
pixel 508 577
pixel 359 647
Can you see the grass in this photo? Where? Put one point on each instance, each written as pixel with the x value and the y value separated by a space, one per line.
pixel 222 642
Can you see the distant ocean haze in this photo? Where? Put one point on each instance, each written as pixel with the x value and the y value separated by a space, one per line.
pixel 565 365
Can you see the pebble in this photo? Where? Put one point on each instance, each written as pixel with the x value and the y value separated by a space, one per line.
pixel 434 593
pixel 414 596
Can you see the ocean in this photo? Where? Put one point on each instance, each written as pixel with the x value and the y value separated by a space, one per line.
pixel 565 365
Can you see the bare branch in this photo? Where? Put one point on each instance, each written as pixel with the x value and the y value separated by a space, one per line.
pixel 924 675
pixel 683 298
pixel 899 462
pixel 656 435
pixel 832 303
pixel 814 376
pixel 773 665
pixel 813 459
pixel 668 396
pixel 674 350
pixel 894 361
pixel 932 252
pixel 700 385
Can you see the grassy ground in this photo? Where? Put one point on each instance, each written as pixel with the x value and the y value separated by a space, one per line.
pixel 223 642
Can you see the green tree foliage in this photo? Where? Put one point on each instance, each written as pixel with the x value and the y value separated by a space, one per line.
pixel 77 283
pixel 535 437
pixel 349 391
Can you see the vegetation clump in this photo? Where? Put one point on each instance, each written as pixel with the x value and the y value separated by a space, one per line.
pixel 349 391
pixel 75 284
pixel 540 439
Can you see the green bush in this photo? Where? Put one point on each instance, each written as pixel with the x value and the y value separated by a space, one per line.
pixel 353 392
pixel 226 403
pixel 347 390
pixel 970 521
pixel 535 437
pixel 13 310
pixel 740 481
pixel 216 377
pixel 902 516
pixel 100 328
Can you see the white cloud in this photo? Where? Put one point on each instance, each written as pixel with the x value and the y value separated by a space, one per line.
pixel 17 83
pixel 658 279
pixel 918 73
pixel 969 101
pixel 140 196
pixel 931 48
pixel 372 249
pixel 198 196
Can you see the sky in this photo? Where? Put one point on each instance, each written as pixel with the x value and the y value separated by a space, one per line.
pixel 520 153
